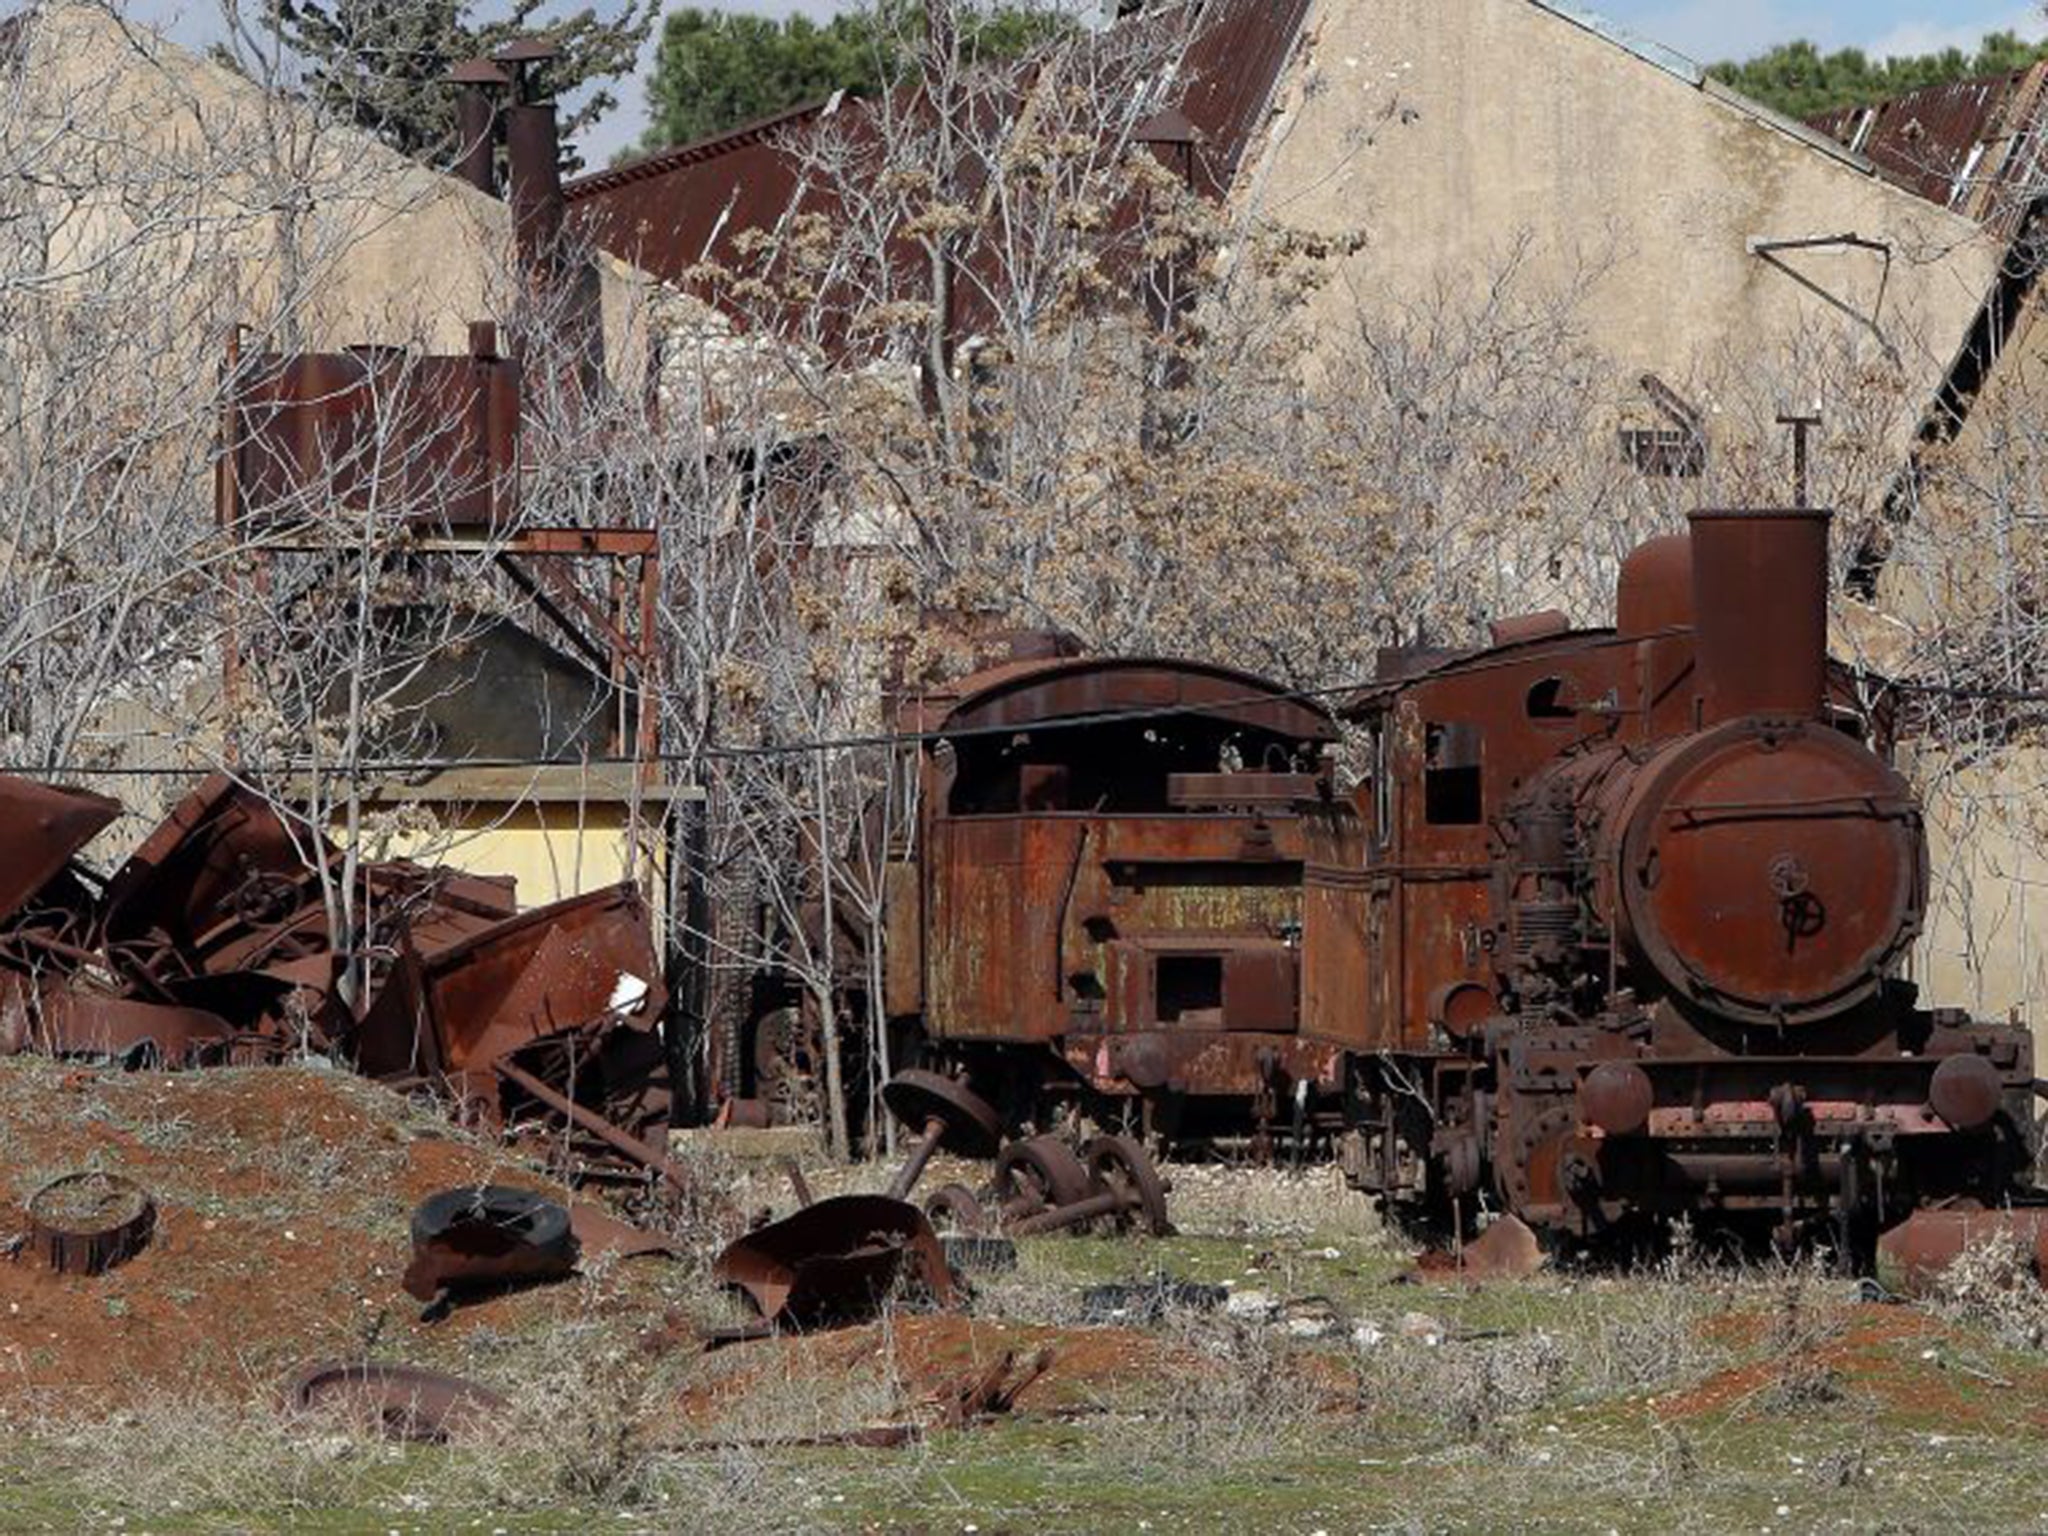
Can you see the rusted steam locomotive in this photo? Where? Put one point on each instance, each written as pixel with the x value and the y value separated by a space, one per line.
pixel 1638 904
pixel 1111 897
pixel 1615 924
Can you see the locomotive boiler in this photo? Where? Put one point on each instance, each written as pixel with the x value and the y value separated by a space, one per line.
pixel 1637 912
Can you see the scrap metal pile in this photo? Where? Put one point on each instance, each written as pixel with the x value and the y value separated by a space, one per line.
pixel 215 942
pixel 838 1260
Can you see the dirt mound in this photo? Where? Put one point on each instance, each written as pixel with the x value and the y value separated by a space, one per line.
pixel 283 1199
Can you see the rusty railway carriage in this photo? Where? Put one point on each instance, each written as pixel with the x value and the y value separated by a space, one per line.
pixel 1117 893
pixel 1636 911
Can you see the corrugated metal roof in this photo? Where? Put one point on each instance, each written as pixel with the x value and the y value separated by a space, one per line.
pixel 673 210
pixel 670 211
pixel 1969 145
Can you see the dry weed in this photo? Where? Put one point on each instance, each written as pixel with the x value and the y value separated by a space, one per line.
pixel 1245 1399
pixel 1992 1285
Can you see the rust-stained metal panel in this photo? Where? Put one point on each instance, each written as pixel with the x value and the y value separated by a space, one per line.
pixel 553 969
pixel 1968 145
pixel 1233 65
pixel 45 826
pixel 314 431
pixel 674 212
pixel 680 208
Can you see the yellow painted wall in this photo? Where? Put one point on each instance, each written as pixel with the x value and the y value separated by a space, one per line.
pixel 554 850
pixel 1986 947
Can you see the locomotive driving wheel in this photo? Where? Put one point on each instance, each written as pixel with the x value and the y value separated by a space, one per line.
pixel 1121 1166
pixel 1038 1174
pixel 1546 1167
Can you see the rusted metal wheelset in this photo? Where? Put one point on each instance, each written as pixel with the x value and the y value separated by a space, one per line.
pixel 1614 927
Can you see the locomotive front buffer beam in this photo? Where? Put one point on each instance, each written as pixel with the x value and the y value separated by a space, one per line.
pixel 1856 1140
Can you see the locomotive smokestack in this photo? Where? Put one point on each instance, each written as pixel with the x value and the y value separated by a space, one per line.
pixel 478 84
pixel 1760 612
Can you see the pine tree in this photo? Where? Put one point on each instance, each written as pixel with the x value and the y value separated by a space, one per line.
pixel 385 63
pixel 716 70
pixel 1801 81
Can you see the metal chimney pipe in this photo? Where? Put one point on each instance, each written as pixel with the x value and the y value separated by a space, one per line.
pixel 533 159
pixel 476 121
pixel 1760 613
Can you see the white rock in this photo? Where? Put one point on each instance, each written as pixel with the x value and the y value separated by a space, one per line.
pixel 1255 1306
pixel 1420 1325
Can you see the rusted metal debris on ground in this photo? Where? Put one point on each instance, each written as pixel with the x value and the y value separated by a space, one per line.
pixel 1507 1250
pixel 837 1261
pixel 483 1239
pixel 400 1402
pixel 215 941
pixel 834 1262
pixel 86 1223
pixel 1913 1256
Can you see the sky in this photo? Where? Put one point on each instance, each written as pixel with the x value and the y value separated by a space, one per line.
pixel 1707 30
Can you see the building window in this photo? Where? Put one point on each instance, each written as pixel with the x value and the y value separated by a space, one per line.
pixel 1675 447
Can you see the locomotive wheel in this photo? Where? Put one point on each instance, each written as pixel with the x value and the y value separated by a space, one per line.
pixel 956 1208
pixel 916 1098
pixel 1533 1173
pixel 1123 1167
pixel 1038 1174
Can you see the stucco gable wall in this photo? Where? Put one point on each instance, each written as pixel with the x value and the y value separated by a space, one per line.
pixel 1446 129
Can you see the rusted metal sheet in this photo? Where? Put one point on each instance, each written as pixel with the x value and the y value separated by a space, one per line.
pixel 683 210
pixel 79 1023
pixel 45 827
pixel 313 432
pixel 1233 67
pixel 401 1402
pixel 557 969
pixel 680 208
pixel 1964 144
pixel 836 1261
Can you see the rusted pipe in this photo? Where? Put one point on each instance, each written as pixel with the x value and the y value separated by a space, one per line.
pixel 1108 1203
pixel 921 1154
pixel 598 1126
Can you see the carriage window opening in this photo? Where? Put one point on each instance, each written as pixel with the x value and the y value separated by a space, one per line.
pixel 1188 984
pixel 1451 784
pixel 1546 700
